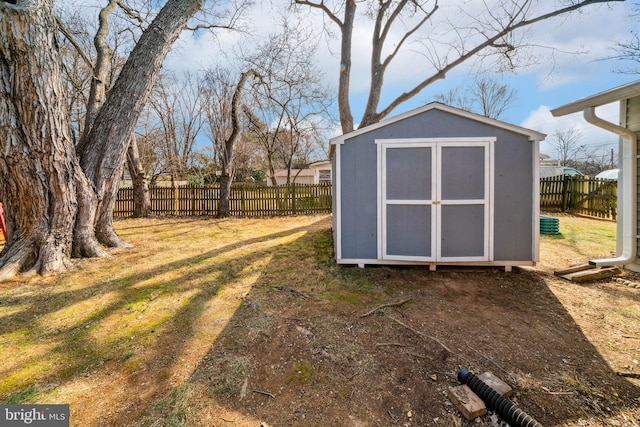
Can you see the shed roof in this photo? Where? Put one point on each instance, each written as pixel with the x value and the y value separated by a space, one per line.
pixel 626 91
pixel 533 135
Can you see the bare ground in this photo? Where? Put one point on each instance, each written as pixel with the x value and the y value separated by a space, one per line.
pixel 262 328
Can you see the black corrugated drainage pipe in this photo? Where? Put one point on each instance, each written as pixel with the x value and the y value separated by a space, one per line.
pixel 505 408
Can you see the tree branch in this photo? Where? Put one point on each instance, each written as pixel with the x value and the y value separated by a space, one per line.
pixel 74 43
pixel 489 42
pixel 132 13
pixel 323 7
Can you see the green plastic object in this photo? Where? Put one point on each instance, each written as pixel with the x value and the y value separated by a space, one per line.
pixel 549 225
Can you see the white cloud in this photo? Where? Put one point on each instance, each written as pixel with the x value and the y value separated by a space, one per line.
pixel 593 137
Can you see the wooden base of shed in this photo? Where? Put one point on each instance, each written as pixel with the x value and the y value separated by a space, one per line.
pixel 506 265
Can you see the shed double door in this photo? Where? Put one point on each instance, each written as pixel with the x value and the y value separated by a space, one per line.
pixel 435 199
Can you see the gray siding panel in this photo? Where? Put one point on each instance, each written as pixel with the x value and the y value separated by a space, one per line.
pixel 409 241
pixel 461 170
pixel 409 174
pixel 462 231
pixel 359 200
pixel 513 183
pixel 513 199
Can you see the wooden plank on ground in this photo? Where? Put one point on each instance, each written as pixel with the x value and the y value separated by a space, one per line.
pixel 594 274
pixel 496 383
pixel 467 402
pixel 573 269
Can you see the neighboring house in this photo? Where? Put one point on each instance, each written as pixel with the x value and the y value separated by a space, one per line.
pixel 628 129
pixel 437 185
pixel 548 171
pixel 321 172
pixel 316 173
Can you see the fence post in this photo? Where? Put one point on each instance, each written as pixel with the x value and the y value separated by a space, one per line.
pixel 242 202
pixel 293 198
pixel 175 195
pixel 193 199
pixel 565 193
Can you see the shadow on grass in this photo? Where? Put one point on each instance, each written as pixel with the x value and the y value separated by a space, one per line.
pixel 124 339
pixel 270 329
pixel 302 354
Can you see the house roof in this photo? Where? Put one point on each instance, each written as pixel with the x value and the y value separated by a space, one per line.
pixel 626 91
pixel 294 172
pixel 533 135
pixel 320 164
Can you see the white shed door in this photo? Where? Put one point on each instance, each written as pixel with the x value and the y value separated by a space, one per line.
pixel 435 200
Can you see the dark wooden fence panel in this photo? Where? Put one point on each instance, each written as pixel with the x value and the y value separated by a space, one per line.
pixel 585 196
pixel 581 195
pixel 244 200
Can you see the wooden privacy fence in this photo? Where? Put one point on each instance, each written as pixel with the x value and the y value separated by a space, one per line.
pixel 581 195
pixel 244 200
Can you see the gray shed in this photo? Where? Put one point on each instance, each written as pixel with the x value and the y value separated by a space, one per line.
pixel 437 186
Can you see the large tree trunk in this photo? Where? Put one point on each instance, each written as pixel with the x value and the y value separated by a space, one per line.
pixel 100 70
pixel 104 151
pixel 50 204
pixel 225 194
pixel 344 81
pixel 139 181
pixel 228 163
pixel 39 173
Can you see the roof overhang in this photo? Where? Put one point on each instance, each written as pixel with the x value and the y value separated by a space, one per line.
pixel 626 91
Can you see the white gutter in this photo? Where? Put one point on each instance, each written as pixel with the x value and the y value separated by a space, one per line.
pixel 628 195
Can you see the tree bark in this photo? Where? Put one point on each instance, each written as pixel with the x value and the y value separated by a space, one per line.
pixel 344 80
pixel 228 166
pixel 346 33
pixel 39 172
pixel 104 151
pixel 139 181
pixel 98 89
pixel 51 205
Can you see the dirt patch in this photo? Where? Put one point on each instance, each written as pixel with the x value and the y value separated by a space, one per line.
pixel 262 328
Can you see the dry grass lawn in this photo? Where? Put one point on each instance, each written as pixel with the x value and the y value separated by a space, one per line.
pixel 249 322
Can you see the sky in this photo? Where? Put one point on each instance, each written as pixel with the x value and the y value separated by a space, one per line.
pixel 568 60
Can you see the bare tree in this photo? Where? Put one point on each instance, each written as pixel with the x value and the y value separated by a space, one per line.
pixel 139 181
pixel 292 102
pixel 493 98
pixel 102 71
pixel 266 138
pixel 49 190
pixel 456 97
pixel 486 96
pixel 76 67
pixel 493 30
pixel 222 111
pixel 629 50
pixel 566 145
pixel 595 160
pixel 176 103
pixel 150 141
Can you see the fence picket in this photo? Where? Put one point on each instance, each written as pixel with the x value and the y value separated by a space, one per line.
pixel 585 196
pixel 244 200
pixel 581 195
